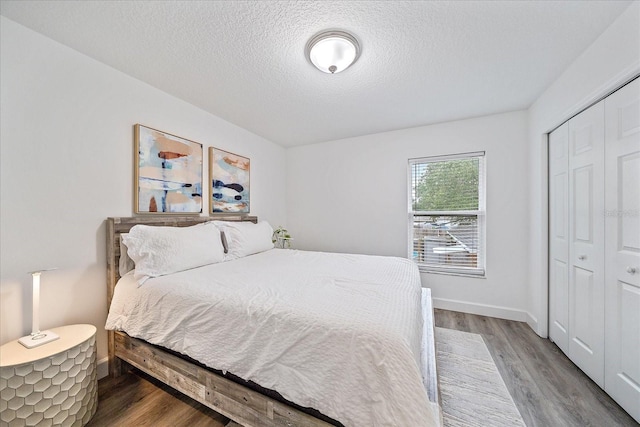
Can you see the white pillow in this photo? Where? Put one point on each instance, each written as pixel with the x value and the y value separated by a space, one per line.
pixel 164 250
pixel 126 264
pixel 246 238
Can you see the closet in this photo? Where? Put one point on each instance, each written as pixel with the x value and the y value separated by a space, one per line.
pixel 594 243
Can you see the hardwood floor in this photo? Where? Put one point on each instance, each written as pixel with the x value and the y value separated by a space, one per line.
pixel 548 389
pixel 137 400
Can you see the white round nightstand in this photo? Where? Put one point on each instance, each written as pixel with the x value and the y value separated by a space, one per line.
pixel 54 384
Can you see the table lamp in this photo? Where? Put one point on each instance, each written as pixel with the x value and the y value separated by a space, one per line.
pixel 37 337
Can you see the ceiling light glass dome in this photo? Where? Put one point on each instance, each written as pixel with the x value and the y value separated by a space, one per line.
pixel 333 51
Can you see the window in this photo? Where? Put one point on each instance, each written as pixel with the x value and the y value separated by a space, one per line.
pixel 447 213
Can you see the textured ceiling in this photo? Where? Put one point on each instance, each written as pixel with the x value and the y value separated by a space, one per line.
pixel 421 63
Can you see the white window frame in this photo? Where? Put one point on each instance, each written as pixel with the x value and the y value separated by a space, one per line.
pixel 480 270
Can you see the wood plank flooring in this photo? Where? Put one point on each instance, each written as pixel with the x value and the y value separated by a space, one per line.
pixel 548 389
pixel 138 400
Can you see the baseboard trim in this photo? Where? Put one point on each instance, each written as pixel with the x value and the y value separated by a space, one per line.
pixel 480 309
pixel 103 367
pixel 532 321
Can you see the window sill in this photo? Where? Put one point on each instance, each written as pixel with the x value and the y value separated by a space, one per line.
pixel 427 270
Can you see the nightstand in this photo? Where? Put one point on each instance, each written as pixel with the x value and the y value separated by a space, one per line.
pixel 54 384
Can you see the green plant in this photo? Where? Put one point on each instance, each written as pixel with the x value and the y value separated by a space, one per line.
pixel 281 237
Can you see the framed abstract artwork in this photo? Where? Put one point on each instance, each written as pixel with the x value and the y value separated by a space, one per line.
pixel 168 173
pixel 228 182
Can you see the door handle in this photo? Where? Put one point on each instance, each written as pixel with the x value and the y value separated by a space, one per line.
pixel 582 257
pixel 631 270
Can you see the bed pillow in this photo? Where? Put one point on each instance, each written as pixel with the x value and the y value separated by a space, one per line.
pixel 246 238
pixel 126 264
pixel 157 251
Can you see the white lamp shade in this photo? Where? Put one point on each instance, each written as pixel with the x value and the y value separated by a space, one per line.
pixel 333 51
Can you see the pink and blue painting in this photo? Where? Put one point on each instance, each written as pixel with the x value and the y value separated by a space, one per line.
pixel 168 173
pixel 229 182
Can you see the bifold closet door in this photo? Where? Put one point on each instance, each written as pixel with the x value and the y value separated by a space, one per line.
pixel 622 282
pixel 586 241
pixel 559 237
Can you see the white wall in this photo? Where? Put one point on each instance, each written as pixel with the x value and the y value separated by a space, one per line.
pixel 66 164
pixel 351 196
pixel 609 62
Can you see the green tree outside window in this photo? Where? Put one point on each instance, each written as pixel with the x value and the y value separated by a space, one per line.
pixel 447 186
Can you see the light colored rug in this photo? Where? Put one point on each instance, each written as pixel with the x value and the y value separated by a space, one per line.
pixel 472 391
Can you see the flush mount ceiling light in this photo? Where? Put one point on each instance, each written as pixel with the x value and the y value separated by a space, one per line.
pixel 333 51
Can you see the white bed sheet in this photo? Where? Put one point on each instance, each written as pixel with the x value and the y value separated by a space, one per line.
pixel 339 333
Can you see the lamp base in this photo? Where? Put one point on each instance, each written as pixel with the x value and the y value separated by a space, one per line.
pixel 38 338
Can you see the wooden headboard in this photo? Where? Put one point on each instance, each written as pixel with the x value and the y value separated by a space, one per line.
pixel 117 226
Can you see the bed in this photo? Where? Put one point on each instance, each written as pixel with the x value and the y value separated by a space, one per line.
pixel 255 359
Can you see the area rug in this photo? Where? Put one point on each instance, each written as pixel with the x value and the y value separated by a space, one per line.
pixel 472 391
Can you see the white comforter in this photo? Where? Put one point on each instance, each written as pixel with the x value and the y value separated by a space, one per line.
pixel 335 332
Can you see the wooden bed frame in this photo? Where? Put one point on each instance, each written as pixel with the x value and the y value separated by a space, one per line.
pixel 238 402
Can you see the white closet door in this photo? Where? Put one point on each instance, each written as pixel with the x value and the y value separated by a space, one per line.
pixel 622 282
pixel 559 237
pixel 586 248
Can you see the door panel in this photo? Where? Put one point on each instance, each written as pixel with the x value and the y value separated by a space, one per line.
pixel 622 222
pixel 583 200
pixel 629 201
pixel 561 207
pixel 629 301
pixel 560 307
pixel 581 308
pixel 559 237
pixel 586 242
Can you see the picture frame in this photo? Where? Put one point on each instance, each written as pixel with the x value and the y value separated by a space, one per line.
pixel 168 173
pixel 229 182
